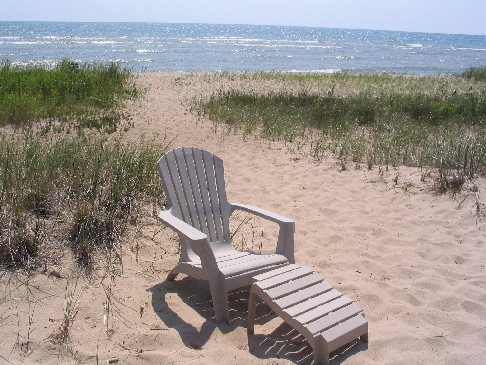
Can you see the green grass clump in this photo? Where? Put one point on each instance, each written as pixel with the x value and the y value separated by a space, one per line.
pixel 476 73
pixel 372 119
pixel 83 189
pixel 90 95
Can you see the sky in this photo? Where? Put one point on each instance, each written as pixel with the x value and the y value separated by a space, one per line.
pixel 430 16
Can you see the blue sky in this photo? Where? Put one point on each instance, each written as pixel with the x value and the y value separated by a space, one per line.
pixel 432 16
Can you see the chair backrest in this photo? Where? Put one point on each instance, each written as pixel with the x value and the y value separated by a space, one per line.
pixel 193 181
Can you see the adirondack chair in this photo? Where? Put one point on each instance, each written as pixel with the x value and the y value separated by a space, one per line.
pixel 198 210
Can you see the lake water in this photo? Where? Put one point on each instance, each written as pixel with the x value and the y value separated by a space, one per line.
pixel 150 47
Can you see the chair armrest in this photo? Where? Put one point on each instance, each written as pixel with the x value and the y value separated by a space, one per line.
pixel 285 242
pixel 262 213
pixel 198 240
pixel 181 227
pixel 200 245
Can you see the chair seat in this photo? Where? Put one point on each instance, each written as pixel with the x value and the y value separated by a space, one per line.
pixel 239 264
pixel 240 268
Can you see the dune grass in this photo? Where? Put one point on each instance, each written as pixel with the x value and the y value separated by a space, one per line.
pixel 370 119
pixel 77 189
pixel 476 73
pixel 70 93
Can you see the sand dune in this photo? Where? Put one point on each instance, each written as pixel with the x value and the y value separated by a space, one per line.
pixel 414 261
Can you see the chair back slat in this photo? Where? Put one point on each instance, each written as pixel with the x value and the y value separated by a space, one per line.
pixel 223 206
pixel 213 195
pixel 207 218
pixel 171 180
pixel 185 167
pixel 195 190
pixel 193 180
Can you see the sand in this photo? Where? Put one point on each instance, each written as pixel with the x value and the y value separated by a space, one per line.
pixel 413 260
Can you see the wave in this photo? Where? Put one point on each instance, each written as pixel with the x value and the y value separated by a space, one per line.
pixel 270 44
pixel 257 40
pixel 411 45
pixel 326 71
pixel 23 42
pixel 150 50
pixel 55 40
pixel 469 49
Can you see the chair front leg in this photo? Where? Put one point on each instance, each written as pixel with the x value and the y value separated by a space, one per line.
pixel 216 279
pixel 219 294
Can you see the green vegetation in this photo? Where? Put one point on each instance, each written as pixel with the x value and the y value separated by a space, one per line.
pixel 70 93
pixel 476 73
pixel 83 189
pixel 372 119
pixel 77 188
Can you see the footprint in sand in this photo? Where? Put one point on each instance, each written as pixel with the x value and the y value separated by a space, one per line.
pixel 459 260
pixel 474 308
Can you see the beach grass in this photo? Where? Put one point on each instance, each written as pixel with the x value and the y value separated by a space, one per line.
pixel 79 189
pixel 70 94
pixel 428 121
pixel 476 73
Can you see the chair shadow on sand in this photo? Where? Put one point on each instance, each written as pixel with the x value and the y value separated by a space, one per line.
pixel 282 343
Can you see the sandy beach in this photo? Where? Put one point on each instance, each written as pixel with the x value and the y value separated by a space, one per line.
pixel 412 259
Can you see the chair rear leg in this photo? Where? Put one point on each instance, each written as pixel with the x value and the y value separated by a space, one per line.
pixel 171 277
pixel 173 274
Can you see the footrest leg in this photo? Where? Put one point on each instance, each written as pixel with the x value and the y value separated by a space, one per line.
pixel 321 351
pixel 252 303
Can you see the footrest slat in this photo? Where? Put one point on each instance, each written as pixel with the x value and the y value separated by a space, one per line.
pixel 275 272
pixel 324 309
pixel 284 278
pixel 292 286
pixel 333 318
pixel 345 332
pixel 303 294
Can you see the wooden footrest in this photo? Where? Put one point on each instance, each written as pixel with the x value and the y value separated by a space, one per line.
pixel 326 318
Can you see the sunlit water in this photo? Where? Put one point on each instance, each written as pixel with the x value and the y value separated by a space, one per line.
pixel 203 47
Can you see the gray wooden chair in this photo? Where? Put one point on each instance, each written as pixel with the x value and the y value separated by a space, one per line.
pixel 198 210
